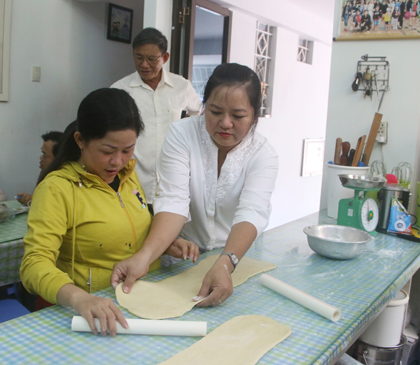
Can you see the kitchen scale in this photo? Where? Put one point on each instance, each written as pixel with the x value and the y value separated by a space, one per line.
pixel 360 211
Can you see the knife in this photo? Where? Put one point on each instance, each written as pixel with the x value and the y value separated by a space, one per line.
pixel 351 156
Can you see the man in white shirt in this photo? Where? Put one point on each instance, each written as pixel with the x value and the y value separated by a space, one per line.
pixel 161 97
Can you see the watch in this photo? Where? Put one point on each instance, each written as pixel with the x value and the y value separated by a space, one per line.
pixel 233 259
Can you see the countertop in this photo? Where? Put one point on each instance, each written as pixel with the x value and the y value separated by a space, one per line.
pixel 360 288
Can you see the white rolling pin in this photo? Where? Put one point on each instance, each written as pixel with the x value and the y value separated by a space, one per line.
pixel 298 296
pixel 148 327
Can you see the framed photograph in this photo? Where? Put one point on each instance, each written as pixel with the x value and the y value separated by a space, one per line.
pixel 120 23
pixel 379 19
pixel 5 20
pixel 313 156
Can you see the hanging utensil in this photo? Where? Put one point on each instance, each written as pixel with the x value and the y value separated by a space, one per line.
pixel 357 81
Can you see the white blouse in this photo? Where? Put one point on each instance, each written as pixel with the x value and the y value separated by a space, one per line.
pixel 188 184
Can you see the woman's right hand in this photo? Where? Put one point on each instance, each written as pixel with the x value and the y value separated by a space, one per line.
pixel 129 270
pixel 91 307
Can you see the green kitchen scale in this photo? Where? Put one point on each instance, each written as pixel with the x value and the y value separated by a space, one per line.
pixel 360 211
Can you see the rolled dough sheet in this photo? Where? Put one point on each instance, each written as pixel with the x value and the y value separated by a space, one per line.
pixel 172 297
pixel 241 340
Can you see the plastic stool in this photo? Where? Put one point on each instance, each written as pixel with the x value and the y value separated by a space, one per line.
pixel 11 308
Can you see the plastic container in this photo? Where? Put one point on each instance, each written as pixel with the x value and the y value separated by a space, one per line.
pixel 386 329
pixel 372 355
pixel 6 214
pixel 336 191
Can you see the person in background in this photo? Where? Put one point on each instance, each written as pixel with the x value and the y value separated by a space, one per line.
pixel 366 22
pixel 377 15
pixel 161 97
pixel 219 173
pixel 88 211
pixel 346 14
pixel 395 16
pixel 49 150
pixel 357 20
pixel 401 9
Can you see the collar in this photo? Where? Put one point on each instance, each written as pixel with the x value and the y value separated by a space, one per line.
pixel 136 81
pixel 88 179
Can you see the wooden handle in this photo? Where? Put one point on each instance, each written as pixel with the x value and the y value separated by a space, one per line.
pixel 337 151
pixel 345 146
pixel 351 157
pixel 372 137
pixel 359 150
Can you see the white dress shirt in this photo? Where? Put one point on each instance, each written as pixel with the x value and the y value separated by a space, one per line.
pixel 189 185
pixel 158 109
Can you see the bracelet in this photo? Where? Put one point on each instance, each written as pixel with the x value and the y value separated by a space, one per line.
pixel 29 203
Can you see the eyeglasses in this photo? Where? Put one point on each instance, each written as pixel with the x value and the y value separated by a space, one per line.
pixel 150 60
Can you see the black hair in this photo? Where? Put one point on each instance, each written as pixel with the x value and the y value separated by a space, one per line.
pixel 151 36
pixel 52 136
pixel 233 74
pixel 102 111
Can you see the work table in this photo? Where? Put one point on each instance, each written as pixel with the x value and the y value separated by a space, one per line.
pixel 360 288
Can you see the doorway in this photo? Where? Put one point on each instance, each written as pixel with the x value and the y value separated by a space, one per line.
pixel 200 40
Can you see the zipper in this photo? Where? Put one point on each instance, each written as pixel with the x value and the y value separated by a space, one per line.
pixel 89 278
pixel 119 197
pixel 123 206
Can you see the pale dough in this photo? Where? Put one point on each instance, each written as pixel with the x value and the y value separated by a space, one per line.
pixel 172 297
pixel 241 340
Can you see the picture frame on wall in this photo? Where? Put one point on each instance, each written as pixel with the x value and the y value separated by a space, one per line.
pixel 379 19
pixel 120 23
pixel 5 20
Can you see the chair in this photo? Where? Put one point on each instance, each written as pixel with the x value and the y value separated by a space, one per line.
pixel 10 309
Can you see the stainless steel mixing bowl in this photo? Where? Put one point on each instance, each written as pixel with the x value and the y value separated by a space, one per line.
pixel 361 182
pixel 337 242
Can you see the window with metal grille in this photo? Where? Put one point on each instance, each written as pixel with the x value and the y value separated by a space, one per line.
pixel 264 65
pixel 305 51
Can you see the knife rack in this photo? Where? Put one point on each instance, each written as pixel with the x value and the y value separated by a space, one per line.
pixel 379 71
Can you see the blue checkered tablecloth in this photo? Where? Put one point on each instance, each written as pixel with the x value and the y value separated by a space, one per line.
pixel 11 244
pixel 359 288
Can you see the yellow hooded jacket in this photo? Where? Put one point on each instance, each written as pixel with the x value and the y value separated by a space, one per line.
pixel 79 227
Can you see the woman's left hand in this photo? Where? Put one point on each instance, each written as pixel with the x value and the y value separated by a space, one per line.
pixel 217 284
pixel 182 249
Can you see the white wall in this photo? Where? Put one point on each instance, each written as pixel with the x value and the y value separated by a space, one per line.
pixel 68 40
pixel 350 115
pixel 158 14
pixel 300 99
pixel 71 47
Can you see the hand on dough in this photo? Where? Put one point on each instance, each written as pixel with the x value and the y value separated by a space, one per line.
pixel 129 270
pixel 182 249
pixel 217 285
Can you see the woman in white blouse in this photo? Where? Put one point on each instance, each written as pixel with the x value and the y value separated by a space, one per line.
pixel 217 175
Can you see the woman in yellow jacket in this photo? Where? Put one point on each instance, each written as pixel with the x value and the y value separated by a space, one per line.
pixel 89 211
